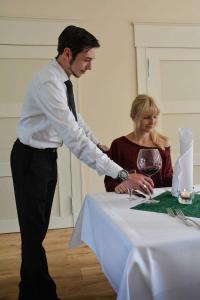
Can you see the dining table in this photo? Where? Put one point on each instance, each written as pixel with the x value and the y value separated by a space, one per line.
pixel 145 255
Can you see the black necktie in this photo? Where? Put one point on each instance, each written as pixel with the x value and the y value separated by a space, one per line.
pixel 70 97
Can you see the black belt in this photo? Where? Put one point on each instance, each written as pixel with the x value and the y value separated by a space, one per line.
pixel 32 148
pixel 50 149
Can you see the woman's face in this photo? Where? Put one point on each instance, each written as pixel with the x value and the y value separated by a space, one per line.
pixel 148 122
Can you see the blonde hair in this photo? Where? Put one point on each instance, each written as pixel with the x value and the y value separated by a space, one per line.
pixel 145 104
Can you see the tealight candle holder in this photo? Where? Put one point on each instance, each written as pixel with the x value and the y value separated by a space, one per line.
pixel 185 197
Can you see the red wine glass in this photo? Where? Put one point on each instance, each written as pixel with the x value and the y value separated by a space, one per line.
pixel 149 162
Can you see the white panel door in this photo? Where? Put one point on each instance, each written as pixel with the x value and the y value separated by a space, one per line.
pixel 173 78
pixel 19 61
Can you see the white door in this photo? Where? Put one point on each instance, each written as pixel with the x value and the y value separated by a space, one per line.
pixel 174 80
pixel 168 66
pixel 20 59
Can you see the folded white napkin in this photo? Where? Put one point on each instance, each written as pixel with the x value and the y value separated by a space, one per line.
pixel 183 170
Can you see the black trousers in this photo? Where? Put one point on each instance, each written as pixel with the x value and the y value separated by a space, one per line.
pixel 34 174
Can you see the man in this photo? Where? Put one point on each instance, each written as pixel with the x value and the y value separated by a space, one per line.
pixel 48 120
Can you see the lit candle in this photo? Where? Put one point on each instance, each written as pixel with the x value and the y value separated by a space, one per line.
pixel 185 194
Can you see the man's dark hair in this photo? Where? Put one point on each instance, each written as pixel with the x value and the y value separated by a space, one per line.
pixel 76 39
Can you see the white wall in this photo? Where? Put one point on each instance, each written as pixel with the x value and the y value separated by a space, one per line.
pixel 108 90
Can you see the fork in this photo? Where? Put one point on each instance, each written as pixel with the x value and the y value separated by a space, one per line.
pixel 181 216
pixel 170 212
pixel 173 215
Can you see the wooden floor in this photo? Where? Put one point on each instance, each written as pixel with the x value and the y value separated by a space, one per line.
pixel 76 271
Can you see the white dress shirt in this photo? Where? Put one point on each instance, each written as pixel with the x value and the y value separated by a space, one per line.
pixel 47 122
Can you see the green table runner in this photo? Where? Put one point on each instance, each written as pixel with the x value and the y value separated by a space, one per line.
pixel 167 200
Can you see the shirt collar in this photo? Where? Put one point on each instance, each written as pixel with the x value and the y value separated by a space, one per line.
pixel 63 75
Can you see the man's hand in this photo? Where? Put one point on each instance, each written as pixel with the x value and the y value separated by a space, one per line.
pixel 136 181
pixel 121 189
pixel 104 148
pixel 140 182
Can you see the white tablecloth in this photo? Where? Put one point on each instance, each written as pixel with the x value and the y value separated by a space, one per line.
pixel 144 255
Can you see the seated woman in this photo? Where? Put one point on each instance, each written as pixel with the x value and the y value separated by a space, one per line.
pixel 124 150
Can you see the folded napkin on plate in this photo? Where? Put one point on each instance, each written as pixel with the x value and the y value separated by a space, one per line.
pixel 183 170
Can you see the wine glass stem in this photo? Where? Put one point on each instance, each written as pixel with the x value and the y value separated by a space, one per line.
pixel 150 197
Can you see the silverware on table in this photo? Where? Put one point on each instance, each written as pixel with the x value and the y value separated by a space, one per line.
pixel 182 217
pixel 171 213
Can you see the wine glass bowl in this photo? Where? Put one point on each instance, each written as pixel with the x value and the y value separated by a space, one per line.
pixel 149 162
